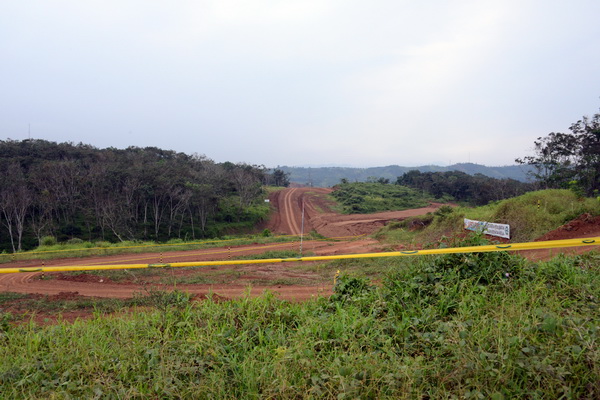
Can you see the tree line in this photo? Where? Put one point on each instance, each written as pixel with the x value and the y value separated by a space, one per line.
pixel 475 189
pixel 79 191
pixel 569 160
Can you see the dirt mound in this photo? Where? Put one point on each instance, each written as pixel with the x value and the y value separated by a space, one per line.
pixel 583 226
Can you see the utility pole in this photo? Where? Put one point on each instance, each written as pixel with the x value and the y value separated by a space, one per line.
pixel 302 227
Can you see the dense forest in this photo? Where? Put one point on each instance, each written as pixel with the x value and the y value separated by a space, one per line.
pixel 77 191
pixel 458 186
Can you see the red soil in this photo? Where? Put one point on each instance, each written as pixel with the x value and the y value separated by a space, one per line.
pixel 585 226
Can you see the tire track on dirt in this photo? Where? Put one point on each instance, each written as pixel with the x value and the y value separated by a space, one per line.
pixel 288 211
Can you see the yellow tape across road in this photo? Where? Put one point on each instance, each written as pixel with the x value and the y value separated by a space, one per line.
pixel 551 244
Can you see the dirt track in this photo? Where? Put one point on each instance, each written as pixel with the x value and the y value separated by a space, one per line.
pixel 319 216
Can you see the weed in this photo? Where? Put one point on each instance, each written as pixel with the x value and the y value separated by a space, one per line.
pixel 351 288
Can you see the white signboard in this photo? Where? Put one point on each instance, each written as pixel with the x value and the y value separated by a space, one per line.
pixel 488 228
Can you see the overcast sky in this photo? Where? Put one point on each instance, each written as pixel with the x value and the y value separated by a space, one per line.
pixel 301 82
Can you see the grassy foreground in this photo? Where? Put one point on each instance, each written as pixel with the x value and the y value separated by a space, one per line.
pixel 469 326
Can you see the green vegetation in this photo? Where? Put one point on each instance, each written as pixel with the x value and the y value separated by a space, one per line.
pixel 79 192
pixel 487 325
pixel 330 176
pixel 81 248
pixel 556 207
pixel 569 160
pixel 529 216
pixel 458 186
pixel 31 304
pixel 274 254
pixel 360 198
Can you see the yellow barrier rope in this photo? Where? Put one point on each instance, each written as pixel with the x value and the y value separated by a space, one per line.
pixel 552 244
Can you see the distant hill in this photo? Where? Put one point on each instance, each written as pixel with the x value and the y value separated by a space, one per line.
pixel 329 176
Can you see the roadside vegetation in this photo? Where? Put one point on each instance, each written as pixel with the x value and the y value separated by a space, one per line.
pixel 51 249
pixel 529 216
pixel 488 325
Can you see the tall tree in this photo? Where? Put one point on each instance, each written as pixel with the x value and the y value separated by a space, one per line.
pixel 15 201
pixel 563 158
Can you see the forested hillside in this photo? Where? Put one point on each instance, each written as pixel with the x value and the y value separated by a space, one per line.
pixel 78 191
pixel 330 176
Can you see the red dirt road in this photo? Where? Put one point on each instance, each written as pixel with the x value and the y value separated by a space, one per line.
pixel 318 215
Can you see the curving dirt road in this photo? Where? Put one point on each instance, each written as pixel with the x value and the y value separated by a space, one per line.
pixel 319 216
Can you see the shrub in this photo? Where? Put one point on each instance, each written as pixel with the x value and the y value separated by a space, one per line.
pixel 351 288
pixel 48 241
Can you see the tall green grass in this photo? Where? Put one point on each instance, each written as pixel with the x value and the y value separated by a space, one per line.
pixel 533 214
pixel 458 326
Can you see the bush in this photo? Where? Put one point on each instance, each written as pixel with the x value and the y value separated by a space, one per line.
pixel 535 213
pixel 48 241
pixel 351 288
pixel 443 211
pixel 438 281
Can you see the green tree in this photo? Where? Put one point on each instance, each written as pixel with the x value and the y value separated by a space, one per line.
pixel 563 158
pixel 280 178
